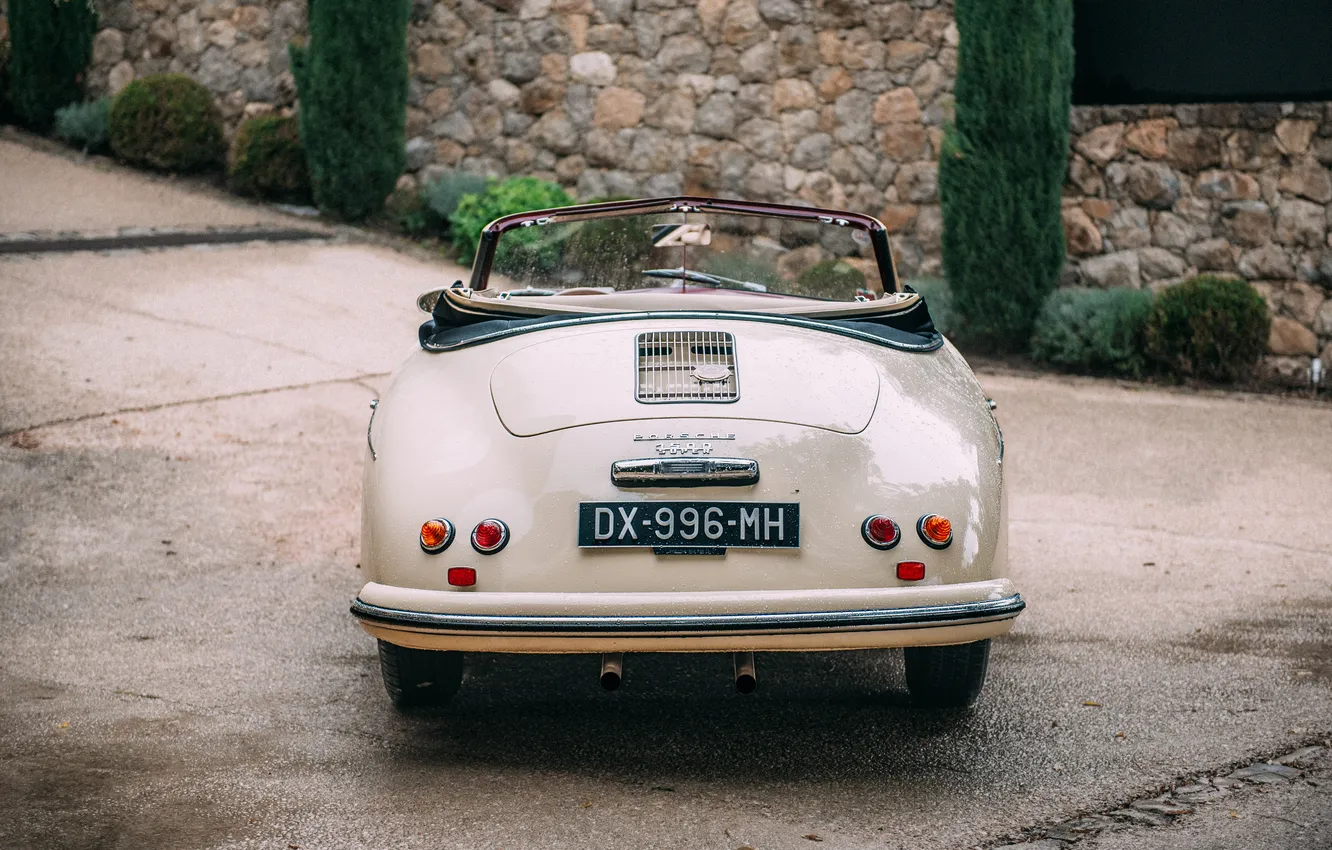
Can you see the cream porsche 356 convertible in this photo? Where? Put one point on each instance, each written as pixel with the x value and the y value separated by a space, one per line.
pixel 683 425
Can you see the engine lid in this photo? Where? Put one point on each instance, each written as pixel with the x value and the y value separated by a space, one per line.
pixel 587 377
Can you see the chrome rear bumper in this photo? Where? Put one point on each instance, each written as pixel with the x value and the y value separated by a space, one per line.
pixel 926 616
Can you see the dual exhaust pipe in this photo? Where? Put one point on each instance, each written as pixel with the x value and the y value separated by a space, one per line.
pixel 746 677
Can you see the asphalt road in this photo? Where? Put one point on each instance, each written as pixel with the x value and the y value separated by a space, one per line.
pixel 179 474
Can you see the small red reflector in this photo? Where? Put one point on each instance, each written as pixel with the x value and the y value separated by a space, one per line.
pixel 880 532
pixel 489 536
pixel 910 570
pixel 462 576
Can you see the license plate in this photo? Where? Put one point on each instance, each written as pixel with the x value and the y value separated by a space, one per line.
pixel 774 525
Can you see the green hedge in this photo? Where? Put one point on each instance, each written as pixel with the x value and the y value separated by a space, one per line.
pixel 352 80
pixel 5 107
pixel 168 122
pixel 526 250
pixel 50 44
pixel 1209 327
pixel 1002 168
pixel 266 160
pixel 1094 330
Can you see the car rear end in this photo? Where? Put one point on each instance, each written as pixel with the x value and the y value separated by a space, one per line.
pixel 643 509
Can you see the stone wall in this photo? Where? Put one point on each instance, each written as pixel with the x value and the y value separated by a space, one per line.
pixel 1157 194
pixel 238 51
pixel 829 102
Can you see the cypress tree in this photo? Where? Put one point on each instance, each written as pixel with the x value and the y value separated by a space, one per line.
pixel 1003 162
pixel 352 79
pixel 50 43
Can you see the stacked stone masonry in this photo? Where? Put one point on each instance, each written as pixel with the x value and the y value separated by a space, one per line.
pixel 837 103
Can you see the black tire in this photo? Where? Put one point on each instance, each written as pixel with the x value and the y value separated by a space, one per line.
pixel 947 676
pixel 419 677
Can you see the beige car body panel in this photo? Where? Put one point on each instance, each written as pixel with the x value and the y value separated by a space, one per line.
pixel 524 428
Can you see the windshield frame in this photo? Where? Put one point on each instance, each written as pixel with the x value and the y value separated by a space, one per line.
pixel 878 234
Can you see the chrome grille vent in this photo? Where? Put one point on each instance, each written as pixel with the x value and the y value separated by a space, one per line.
pixel 678 366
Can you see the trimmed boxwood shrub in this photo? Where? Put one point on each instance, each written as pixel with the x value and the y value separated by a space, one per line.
pixel 1094 330
pixel 50 43
pixel 526 250
pixel 833 279
pixel 1208 327
pixel 168 122
pixel 267 160
pixel 84 125
pixel 1001 170
pixel 352 81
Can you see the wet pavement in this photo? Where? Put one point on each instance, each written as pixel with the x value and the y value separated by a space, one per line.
pixel 179 493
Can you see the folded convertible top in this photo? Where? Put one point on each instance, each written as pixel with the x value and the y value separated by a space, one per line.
pixel 453 325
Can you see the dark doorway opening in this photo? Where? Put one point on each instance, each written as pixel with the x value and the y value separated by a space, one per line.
pixel 1200 51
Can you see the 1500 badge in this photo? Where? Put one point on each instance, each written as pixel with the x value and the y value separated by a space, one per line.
pixel 683 435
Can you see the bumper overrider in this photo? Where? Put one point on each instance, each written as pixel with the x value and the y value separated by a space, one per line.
pixel 860 618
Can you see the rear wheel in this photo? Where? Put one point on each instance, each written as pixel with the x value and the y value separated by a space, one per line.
pixel 947 676
pixel 419 677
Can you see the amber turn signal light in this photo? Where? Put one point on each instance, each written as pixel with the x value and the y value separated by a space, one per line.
pixel 936 531
pixel 910 570
pixel 436 535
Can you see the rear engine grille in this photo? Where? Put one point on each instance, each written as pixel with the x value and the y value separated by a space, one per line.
pixel 687 366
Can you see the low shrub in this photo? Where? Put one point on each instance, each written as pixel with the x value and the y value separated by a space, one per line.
pixel 610 251
pixel 1208 327
pixel 266 160
pixel 168 122
pixel 405 211
pixel 523 251
pixel 833 279
pixel 440 197
pixel 84 125
pixel 1093 330
pixel 938 299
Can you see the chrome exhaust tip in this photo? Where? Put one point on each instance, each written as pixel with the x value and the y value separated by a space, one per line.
pixel 746 679
pixel 612 670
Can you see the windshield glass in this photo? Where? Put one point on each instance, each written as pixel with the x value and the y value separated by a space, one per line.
pixel 687 250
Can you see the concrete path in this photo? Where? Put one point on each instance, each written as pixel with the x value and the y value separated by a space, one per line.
pixel 179 497
pixel 42 191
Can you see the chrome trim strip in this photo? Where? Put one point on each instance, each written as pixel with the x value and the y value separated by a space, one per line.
pixel 877 618
pixel 374 406
pixel 685 472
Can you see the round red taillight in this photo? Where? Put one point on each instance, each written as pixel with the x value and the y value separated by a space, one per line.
pixel 436 535
pixel 489 536
pixel 880 532
pixel 936 531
